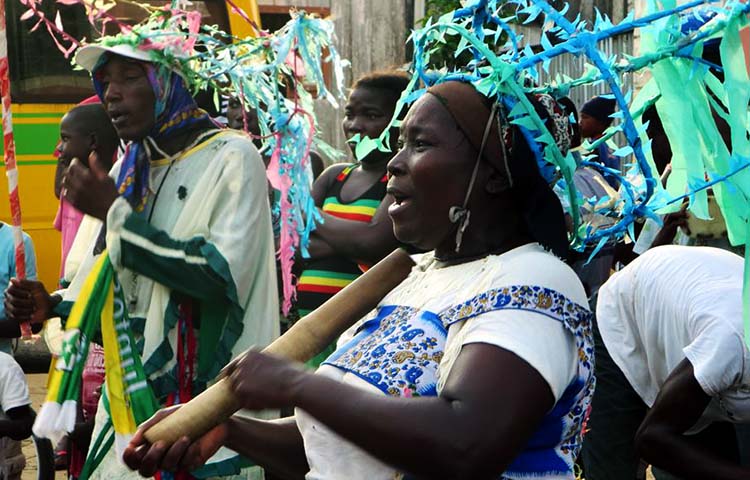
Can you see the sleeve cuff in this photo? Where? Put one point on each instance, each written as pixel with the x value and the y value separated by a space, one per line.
pixel 116 216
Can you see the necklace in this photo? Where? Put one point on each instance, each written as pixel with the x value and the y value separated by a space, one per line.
pixel 133 294
pixel 172 159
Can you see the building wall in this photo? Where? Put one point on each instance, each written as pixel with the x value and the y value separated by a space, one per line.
pixel 294 3
pixel 372 36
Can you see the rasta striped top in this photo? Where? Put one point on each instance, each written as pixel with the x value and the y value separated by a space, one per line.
pixel 323 278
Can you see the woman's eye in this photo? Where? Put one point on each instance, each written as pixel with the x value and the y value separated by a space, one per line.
pixel 400 144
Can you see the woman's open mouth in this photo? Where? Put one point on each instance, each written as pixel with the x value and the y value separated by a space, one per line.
pixel 401 201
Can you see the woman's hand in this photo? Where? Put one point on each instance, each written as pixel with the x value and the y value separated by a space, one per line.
pixel 89 189
pixel 28 301
pixel 147 459
pixel 263 381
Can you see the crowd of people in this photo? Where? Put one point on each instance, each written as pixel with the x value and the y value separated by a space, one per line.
pixel 503 354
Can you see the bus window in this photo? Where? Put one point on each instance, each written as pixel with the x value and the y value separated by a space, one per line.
pixel 213 12
pixel 38 71
pixel 41 74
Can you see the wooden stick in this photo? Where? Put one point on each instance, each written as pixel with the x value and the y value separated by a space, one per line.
pixel 303 341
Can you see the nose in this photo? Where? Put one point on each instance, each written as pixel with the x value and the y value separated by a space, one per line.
pixel 352 125
pixel 112 93
pixel 397 164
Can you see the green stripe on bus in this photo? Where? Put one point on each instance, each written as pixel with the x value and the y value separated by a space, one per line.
pixel 32 162
pixel 39 115
pixel 37 139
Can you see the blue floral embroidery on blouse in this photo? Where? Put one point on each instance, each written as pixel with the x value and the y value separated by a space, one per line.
pixel 398 351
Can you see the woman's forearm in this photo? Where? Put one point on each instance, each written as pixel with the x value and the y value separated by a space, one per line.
pixel 391 428
pixel 670 450
pixel 275 445
pixel 358 241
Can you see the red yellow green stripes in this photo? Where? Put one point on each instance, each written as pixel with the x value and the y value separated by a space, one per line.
pixel 361 210
pixel 323 281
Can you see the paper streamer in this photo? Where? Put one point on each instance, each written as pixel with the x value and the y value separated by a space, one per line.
pixel 270 73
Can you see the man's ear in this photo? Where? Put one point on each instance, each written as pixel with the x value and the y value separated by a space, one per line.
pixel 497 183
pixel 92 142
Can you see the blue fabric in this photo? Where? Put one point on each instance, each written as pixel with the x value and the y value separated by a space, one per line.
pixel 609 161
pixel 400 349
pixel 8 270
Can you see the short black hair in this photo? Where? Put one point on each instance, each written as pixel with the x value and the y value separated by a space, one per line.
pixel 91 118
pixel 394 81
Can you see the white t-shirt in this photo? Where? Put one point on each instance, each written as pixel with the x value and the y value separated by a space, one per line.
pixel 14 393
pixel 677 302
pixel 541 341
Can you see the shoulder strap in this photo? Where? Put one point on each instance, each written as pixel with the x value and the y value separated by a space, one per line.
pixel 530 298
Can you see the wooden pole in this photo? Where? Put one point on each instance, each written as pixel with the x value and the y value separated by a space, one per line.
pixel 303 341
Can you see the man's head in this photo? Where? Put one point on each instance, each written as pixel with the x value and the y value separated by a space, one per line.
pixel 128 96
pixel 237 116
pixel 595 116
pixel 85 128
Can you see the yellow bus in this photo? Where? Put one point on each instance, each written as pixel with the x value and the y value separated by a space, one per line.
pixel 43 87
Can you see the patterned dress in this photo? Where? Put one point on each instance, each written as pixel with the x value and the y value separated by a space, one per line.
pixel 323 278
pixel 525 301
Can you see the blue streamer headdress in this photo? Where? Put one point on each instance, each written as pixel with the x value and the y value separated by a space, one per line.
pixel 687 90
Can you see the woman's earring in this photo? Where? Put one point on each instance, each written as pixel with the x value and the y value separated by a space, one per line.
pixel 461 216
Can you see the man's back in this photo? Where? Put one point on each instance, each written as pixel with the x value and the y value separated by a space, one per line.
pixel 671 303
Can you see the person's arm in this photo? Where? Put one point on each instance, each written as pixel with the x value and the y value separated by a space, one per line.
pixel 28 245
pixel 18 424
pixel 366 242
pixel 193 267
pixel 661 438
pixel 473 430
pixel 319 248
pixel 668 231
pixel 276 445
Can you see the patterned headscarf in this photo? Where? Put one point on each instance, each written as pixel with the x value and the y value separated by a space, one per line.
pixel 174 109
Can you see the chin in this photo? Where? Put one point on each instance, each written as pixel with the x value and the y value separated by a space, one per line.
pixel 403 235
pixel 130 136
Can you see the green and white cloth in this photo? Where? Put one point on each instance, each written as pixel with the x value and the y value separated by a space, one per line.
pixel 205 236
